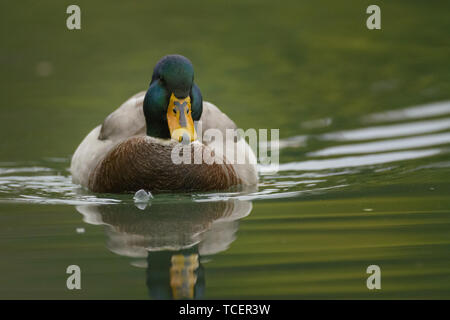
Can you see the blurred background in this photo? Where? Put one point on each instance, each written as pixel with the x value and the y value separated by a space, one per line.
pixel 267 64
pixel 363 118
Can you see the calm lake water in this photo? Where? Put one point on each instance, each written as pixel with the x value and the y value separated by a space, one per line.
pixel 364 175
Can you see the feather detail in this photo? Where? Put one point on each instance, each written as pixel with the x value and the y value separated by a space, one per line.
pixel 144 163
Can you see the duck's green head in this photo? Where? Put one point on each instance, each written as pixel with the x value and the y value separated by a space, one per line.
pixel 173 101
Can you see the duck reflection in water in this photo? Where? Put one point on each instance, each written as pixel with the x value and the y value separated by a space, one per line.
pixel 171 240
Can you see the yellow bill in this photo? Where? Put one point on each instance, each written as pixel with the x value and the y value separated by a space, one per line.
pixel 179 119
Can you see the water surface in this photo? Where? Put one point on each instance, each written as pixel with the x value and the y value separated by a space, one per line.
pixel 364 121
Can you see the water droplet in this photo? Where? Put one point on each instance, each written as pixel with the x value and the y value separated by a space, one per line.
pixel 142 196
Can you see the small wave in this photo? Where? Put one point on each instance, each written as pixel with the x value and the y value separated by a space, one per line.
pixel 43 185
pixel 372 133
pixel 357 161
pixel 385 145
pixel 49 200
pixel 417 112
pixel 24 170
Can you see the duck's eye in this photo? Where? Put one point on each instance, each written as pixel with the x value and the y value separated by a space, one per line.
pixel 174 111
pixel 187 111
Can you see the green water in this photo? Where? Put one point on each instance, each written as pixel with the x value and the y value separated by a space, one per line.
pixel 364 119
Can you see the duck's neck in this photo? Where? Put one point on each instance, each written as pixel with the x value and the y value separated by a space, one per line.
pixel 157 130
pixel 155 109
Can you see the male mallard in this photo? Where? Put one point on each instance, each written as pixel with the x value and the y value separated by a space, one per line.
pixel 132 149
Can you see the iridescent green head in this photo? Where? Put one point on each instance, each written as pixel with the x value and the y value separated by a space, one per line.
pixel 173 101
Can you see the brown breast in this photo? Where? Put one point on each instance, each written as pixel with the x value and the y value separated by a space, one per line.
pixel 143 163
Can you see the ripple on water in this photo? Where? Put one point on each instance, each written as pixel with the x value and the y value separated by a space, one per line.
pixel 344 156
pixel 416 112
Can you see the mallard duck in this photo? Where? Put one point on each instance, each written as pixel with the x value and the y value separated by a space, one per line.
pixel 133 148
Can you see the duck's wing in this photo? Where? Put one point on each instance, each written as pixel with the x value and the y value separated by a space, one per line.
pixel 213 118
pixel 127 121
pixel 232 146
